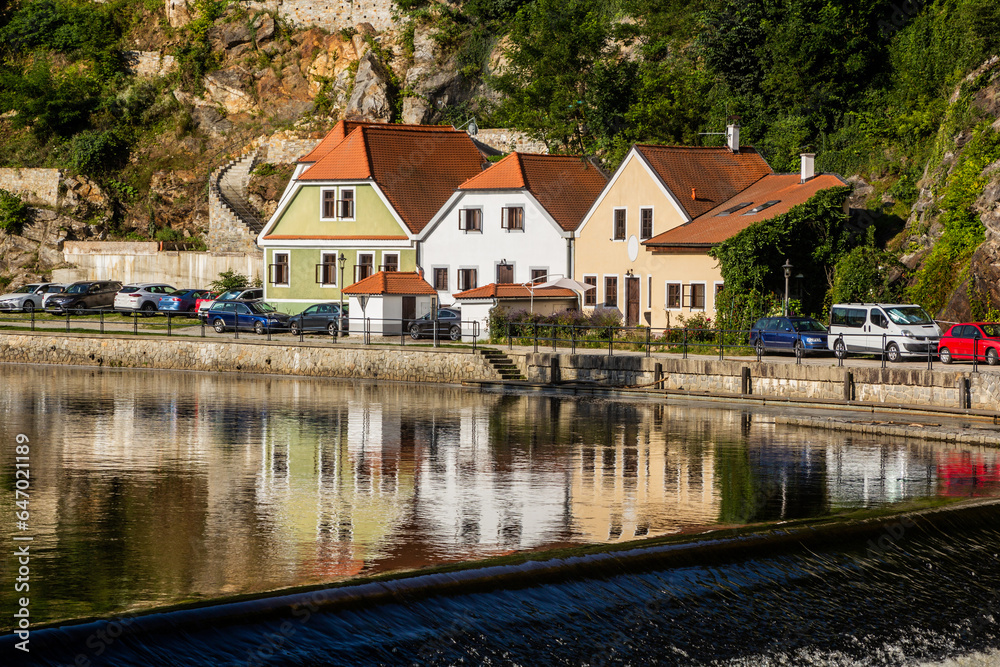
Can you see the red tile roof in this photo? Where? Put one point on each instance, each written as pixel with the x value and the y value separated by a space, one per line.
pixel 331 237
pixel 514 291
pixel 417 167
pixel 392 282
pixel 340 132
pixel 703 177
pixel 715 226
pixel 565 185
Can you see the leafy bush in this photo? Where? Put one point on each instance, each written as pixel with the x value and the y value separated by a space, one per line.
pixel 228 280
pixel 13 212
pixel 97 153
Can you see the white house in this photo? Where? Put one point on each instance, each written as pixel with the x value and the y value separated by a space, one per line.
pixel 387 300
pixel 512 223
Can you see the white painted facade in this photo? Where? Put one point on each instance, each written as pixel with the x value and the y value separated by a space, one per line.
pixel 541 246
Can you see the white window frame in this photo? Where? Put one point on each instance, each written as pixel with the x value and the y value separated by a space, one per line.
pixel 614 215
pixel 447 273
pixel 458 277
pixel 336 267
pixel 595 291
pixel 463 220
pixel 691 307
pixel 666 295
pixel 532 269
pixel 288 263
pixel 652 222
pixel 322 204
pixel 354 202
pixel 390 254
pixel 618 290
pixel 504 220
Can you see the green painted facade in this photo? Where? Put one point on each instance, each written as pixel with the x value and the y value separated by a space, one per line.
pixel 302 219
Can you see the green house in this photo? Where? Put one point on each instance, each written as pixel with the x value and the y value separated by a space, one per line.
pixel 356 204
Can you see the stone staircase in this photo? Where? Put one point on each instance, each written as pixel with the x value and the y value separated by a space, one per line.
pixel 502 364
pixel 233 223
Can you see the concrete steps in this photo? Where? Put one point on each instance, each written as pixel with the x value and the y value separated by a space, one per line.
pixel 502 364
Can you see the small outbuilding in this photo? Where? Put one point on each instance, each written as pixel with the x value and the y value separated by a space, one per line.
pixel 386 301
pixel 544 300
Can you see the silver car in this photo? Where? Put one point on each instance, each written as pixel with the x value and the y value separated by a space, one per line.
pixel 27 298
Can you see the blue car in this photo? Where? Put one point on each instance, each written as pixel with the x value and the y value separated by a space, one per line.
pixel 788 334
pixel 246 315
pixel 182 301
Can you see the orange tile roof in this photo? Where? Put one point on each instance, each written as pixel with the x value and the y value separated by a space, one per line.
pixel 321 237
pixel 392 282
pixel 340 132
pixel 715 226
pixel 711 174
pixel 565 185
pixel 417 167
pixel 514 291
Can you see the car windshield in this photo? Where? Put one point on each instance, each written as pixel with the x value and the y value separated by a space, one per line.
pixel 179 292
pixel 55 288
pixel 992 330
pixel 908 315
pixel 261 307
pixel 80 288
pixel 808 325
pixel 27 289
pixel 231 294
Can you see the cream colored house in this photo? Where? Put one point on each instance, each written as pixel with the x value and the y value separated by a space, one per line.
pixel 644 243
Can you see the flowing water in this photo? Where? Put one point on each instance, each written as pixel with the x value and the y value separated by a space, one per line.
pixel 151 488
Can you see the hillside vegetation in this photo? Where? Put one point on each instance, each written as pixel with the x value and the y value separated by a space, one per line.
pixel 900 97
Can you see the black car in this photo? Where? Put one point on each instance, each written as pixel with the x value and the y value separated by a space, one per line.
pixel 449 325
pixel 320 317
pixel 85 295
pixel 788 334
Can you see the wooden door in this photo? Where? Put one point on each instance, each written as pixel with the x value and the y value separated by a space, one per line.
pixel 631 301
pixel 409 308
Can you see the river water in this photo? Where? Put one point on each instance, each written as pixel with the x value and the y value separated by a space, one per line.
pixel 151 488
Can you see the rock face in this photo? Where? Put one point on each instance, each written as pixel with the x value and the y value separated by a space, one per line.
pixel 373 95
pixel 33 254
pixel 431 81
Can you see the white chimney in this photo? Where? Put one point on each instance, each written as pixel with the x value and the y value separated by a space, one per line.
pixel 808 169
pixel 733 137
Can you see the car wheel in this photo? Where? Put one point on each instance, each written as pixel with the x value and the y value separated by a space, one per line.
pixel 414 331
pixel 944 354
pixel 332 328
pixel 892 352
pixel 294 328
pixel 455 332
pixel 219 325
pixel 258 328
pixel 758 347
pixel 840 349
pixel 992 358
pixel 29 306
pixel 148 309
pixel 79 311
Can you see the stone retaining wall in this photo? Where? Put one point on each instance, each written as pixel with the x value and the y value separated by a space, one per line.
pixel 144 263
pixel 35 186
pixel 895 386
pixel 248 356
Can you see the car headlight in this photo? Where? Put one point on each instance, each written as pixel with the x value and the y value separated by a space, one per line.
pixel 908 333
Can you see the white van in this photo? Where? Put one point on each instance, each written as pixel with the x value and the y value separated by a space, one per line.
pixel 904 329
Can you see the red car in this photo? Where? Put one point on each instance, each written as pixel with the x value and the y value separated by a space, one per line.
pixel 208 299
pixel 961 341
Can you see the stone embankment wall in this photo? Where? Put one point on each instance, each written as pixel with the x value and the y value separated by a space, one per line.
pixel 248 356
pixel 890 386
pixel 330 15
pixel 511 140
pixel 140 262
pixel 35 186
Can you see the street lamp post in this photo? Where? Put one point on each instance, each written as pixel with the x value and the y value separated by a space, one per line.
pixel 788 274
pixel 342 260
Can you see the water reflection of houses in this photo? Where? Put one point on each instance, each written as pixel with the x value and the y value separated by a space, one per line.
pixel 863 472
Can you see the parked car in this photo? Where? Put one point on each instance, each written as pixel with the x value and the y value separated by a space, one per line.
pixel 788 334
pixel 183 300
pixel 141 297
pixel 53 288
pixel 246 315
pixel 962 341
pixel 449 325
pixel 903 329
pixel 320 317
pixel 26 298
pixel 79 297
pixel 242 294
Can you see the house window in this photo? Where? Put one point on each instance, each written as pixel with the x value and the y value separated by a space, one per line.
pixel 611 291
pixel 329 201
pixel 345 205
pixel 718 293
pixel 538 275
pixel 441 280
pixel 619 224
pixel 390 262
pixel 466 279
pixel 645 223
pixel 673 295
pixel 505 273
pixel 512 218
pixel 470 219
pixel 278 271
pixel 364 267
pixel 590 295
pixel 696 296
pixel 326 270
